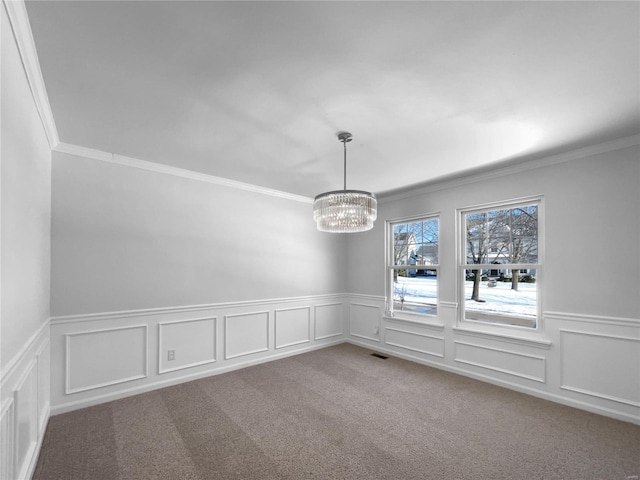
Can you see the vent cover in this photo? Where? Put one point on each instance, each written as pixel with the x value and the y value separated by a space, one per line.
pixel 379 355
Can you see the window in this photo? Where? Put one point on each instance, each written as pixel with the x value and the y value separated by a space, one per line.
pixel 502 243
pixel 412 266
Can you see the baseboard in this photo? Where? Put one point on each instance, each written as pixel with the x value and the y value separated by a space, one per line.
pixel 36 451
pixel 607 412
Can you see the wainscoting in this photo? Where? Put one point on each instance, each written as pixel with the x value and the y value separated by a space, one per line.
pixel 101 357
pixel 25 406
pixel 588 362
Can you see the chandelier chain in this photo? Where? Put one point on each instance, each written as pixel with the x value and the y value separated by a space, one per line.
pixel 344 144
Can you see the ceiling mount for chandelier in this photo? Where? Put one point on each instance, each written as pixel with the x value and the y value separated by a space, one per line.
pixel 345 211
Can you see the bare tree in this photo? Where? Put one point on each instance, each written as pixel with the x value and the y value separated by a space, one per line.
pixel 523 238
pixel 508 235
pixel 482 231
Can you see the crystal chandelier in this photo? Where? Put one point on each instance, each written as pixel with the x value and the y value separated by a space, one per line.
pixel 345 211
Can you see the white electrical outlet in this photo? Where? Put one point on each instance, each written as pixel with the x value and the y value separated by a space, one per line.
pixel 376 330
pixel 171 355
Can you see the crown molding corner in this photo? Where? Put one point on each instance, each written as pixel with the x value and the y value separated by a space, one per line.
pixel 84 152
pixel 21 28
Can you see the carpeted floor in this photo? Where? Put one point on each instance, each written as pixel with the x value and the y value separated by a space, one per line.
pixel 337 413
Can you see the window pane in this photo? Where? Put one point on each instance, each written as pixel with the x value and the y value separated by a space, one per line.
pixel 415 291
pixel 502 236
pixel 493 298
pixel 416 243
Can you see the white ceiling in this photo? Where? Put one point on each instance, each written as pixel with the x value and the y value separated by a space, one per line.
pixel 256 91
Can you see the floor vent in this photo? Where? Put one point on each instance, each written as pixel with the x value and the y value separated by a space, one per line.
pixel 378 355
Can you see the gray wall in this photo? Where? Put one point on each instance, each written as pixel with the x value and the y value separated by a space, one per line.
pixel 125 238
pixel 26 209
pixel 592 232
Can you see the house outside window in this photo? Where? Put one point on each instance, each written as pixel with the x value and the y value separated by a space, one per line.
pixel 412 266
pixel 500 262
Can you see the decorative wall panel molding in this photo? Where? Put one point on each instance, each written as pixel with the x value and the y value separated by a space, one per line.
pixel 518 364
pixel 367 298
pixel 7 440
pixel 25 399
pixel 414 341
pixel 452 305
pixel 188 309
pixel 364 321
pixel 431 322
pixel 251 335
pixel 328 320
pixel 25 390
pixel 43 360
pixel 599 372
pixel 245 334
pixel 99 358
pixel 590 365
pixel 292 326
pixel 595 319
pixel 192 343
pixel 206 340
pixel 539 342
pixel 24 354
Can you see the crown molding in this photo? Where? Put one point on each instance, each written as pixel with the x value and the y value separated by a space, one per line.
pixel 175 171
pixel 19 20
pixel 468 178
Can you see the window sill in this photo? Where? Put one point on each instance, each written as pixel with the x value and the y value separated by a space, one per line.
pixel 416 321
pixel 520 340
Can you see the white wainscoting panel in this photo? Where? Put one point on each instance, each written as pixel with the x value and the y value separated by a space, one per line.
pixel 415 341
pixel 26 421
pixel 7 436
pixel 518 364
pixel 245 334
pixel 292 326
pixel 93 355
pixel 98 358
pixel 25 390
pixel 364 321
pixel 329 320
pixel 43 361
pixel 600 365
pixel 192 340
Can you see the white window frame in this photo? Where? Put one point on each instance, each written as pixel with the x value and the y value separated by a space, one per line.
pixel 462 266
pixel 390 267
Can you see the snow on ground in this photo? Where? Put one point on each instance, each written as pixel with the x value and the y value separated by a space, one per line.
pixel 498 299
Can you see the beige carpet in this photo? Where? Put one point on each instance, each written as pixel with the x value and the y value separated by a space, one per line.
pixel 337 413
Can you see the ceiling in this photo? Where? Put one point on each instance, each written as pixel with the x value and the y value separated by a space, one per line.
pixel 256 91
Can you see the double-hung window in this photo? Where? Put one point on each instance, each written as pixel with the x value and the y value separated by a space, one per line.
pixel 412 266
pixel 500 263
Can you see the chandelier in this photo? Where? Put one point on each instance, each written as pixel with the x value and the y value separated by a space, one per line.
pixel 345 211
